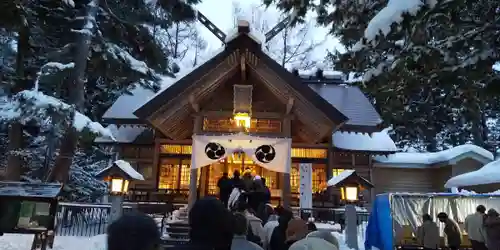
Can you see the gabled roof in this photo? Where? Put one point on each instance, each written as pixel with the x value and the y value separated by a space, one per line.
pixel 243 41
pixel 353 103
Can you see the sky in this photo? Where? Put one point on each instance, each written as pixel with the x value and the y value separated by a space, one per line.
pixel 220 13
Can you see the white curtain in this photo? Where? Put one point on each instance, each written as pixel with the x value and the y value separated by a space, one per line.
pixel 271 153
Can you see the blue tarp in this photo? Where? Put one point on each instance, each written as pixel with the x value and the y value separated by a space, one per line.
pixel 379 232
pixel 379 229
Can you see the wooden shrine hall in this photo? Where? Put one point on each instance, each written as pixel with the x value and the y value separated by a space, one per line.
pixel 223 116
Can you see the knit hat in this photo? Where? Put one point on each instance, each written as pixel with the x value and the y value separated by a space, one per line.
pixel 297 230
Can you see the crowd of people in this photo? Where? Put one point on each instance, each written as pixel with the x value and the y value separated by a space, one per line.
pixel 222 224
pixel 483 231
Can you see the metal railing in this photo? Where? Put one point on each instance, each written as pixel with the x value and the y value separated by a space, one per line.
pixel 74 219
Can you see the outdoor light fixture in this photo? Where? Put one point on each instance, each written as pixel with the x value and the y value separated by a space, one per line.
pixel 118 185
pixel 243 120
pixel 349 193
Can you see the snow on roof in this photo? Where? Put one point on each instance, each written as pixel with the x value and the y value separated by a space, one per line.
pixel 125 106
pixel 126 168
pixel 122 134
pixel 452 154
pixel 379 141
pixel 488 174
pixel 342 176
pixel 254 34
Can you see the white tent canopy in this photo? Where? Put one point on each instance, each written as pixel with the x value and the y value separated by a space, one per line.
pixel 271 153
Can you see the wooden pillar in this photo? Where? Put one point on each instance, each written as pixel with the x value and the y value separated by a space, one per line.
pixel 285 188
pixel 197 128
pixel 330 163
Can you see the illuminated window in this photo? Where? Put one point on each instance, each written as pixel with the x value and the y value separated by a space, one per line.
pixel 215 172
pixel 230 125
pixel 168 176
pixel 176 149
pixel 311 153
pixel 186 174
pixel 318 177
pixel 294 179
pixel 337 171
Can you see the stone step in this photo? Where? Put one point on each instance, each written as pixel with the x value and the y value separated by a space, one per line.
pixel 179 235
pixel 165 243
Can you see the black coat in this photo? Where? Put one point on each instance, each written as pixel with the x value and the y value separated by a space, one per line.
pixel 225 187
pixel 278 239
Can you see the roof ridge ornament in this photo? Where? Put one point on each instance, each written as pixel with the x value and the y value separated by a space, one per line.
pixel 243 26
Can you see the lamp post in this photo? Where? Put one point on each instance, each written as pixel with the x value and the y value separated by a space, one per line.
pixel 118 177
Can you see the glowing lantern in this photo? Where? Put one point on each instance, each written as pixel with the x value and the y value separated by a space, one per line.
pixel 243 120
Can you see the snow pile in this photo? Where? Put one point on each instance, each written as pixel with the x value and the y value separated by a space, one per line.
pixel 379 141
pixel 455 190
pixel 488 174
pixel 23 242
pixel 40 105
pixel 437 157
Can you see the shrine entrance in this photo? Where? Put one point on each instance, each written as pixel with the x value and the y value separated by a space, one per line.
pixel 237 161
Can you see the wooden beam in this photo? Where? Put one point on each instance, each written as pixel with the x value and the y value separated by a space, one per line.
pixel 243 69
pixel 278 28
pixel 289 105
pixel 258 115
pixel 194 104
pixel 211 26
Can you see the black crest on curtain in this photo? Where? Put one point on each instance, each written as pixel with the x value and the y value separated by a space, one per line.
pixel 265 153
pixel 214 151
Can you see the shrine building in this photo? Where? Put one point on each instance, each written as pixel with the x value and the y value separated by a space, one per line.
pixel 241 110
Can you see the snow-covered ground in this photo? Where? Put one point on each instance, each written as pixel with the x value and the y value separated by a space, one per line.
pixel 23 242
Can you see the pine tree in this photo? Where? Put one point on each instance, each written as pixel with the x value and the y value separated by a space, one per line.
pixel 426 66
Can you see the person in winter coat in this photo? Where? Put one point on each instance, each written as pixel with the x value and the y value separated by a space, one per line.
pixel 297 230
pixel 492 228
pixel 278 237
pixel 428 234
pixel 225 188
pixel 133 232
pixel 474 226
pixel 210 226
pixel 255 223
pixel 452 231
pixel 270 225
pixel 267 191
pixel 317 240
pixel 236 181
pixel 240 242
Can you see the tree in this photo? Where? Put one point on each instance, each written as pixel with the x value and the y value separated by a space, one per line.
pixel 427 79
pixel 293 47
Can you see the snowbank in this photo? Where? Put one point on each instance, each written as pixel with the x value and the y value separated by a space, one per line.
pixel 437 157
pixel 23 242
pixel 488 174
pixel 380 141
